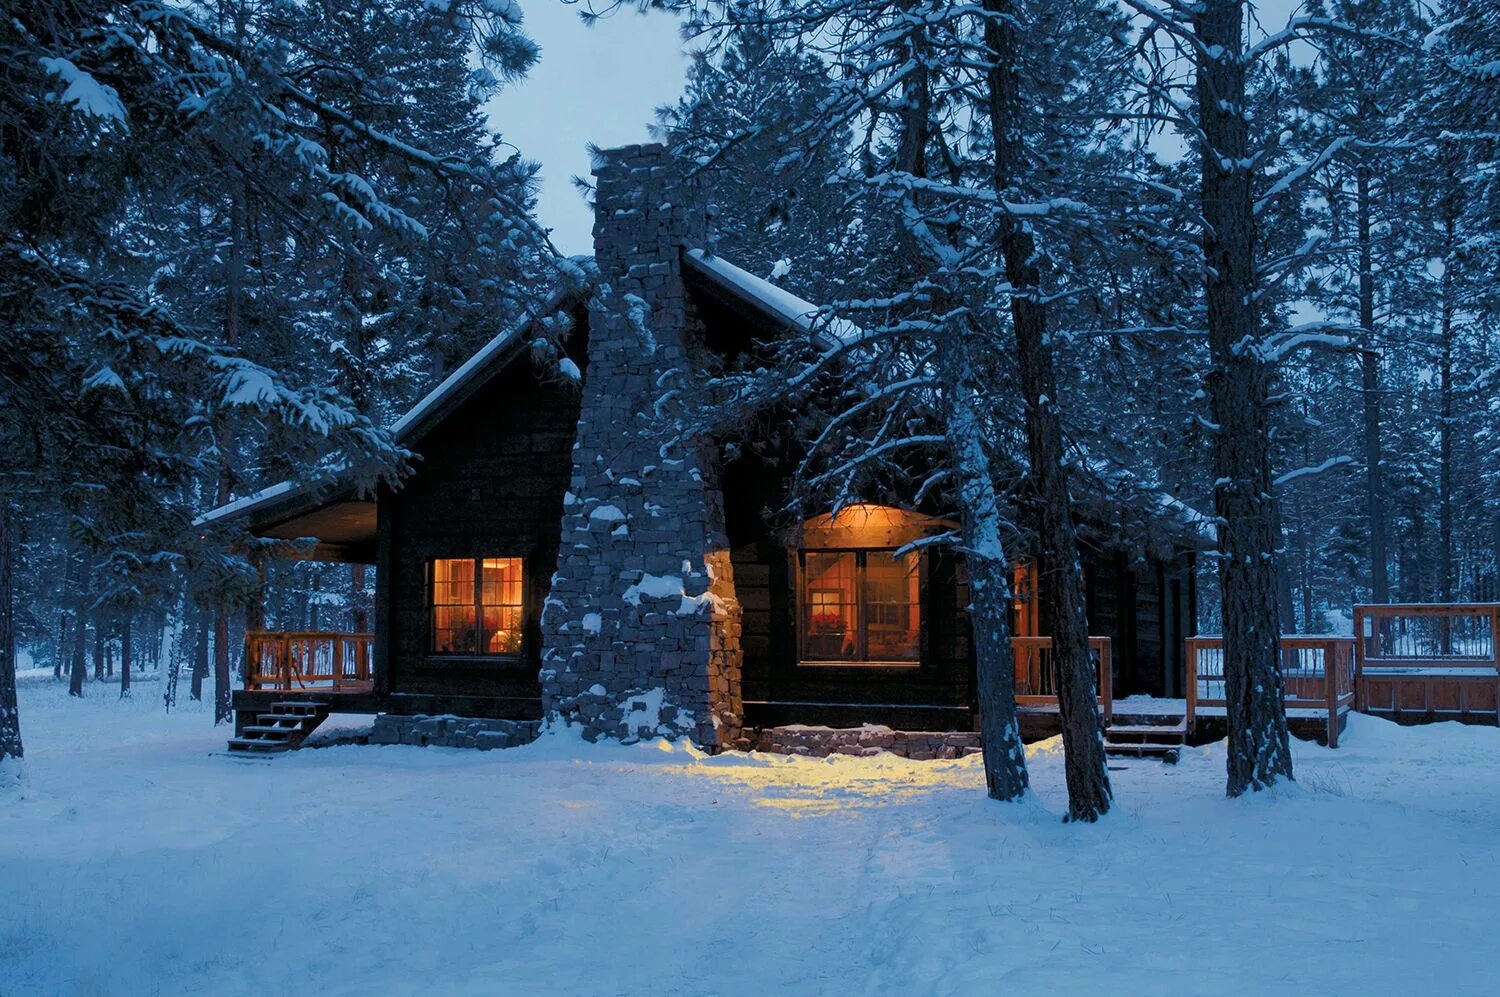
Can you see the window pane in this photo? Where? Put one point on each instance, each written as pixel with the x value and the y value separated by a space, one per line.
pixel 500 602
pixel 830 605
pixel 892 599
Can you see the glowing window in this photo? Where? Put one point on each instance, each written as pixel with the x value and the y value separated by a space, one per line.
pixel 861 607
pixel 476 606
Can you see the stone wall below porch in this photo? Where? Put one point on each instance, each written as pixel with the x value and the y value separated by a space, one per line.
pixel 819 742
pixel 453 732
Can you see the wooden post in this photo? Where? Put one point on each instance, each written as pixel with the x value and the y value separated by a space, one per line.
pixel 1361 697
pixel 285 647
pixel 1331 689
pixel 1191 670
pixel 1107 681
pixel 337 667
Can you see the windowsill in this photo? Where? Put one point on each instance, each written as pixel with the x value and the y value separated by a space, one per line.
pixel 471 659
pixel 899 665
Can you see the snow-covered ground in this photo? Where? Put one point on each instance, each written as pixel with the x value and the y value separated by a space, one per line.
pixel 139 862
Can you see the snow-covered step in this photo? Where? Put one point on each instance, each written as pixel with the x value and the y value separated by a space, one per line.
pixel 257 747
pixel 1148 729
pixel 284 728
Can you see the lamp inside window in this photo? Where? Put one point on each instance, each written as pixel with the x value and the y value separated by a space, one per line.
pixel 477 606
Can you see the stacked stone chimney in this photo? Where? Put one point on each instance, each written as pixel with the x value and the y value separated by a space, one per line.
pixel 641 630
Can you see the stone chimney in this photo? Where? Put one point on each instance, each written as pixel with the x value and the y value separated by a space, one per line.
pixel 641 630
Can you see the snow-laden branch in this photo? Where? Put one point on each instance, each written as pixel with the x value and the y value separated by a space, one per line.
pixel 1286 183
pixel 1312 335
pixel 1308 472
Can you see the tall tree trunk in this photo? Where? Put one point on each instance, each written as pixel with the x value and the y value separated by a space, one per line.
pixel 177 653
pixel 1060 570
pixel 989 584
pixel 125 633
pixel 77 668
pixel 1259 748
pixel 1375 507
pixel 223 684
pixel 1446 569
pixel 360 615
pixel 201 627
pixel 10 716
pixel 101 635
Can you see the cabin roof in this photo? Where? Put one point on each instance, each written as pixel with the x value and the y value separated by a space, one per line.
pixel 282 509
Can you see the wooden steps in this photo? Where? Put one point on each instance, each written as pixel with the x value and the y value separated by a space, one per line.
pixel 1163 740
pixel 282 729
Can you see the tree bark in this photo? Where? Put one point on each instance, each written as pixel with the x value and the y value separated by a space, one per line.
pixel 1446 569
pixel 223 684
pixel 77 669
pixel 1060 571
pixel 200 654
pixel 360 615
pixel 125 633
pixel 1259 749
pixel 10 716
pixel 989 584
pixel 101 634
pixel 1375 510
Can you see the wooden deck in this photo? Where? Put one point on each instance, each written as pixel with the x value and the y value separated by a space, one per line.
pixel 1318 674
pixel 309 662
pixel 1036 683
pixel 1423 662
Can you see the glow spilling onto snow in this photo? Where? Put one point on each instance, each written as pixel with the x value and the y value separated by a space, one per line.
pixel 1377 873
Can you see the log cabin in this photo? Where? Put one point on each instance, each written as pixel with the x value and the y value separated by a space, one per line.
pixel 554 557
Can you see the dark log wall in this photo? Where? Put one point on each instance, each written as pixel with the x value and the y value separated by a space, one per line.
pixel 1147 606
pixel 779 690
pixel 490 482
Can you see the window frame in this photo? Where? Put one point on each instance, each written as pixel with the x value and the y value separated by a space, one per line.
pixel 478 607
pixel 864 662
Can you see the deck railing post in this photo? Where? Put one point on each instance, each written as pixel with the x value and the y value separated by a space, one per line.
pixel 1191 667
pixel 1331 669
pixel 1360 700
pixel 338 662
pixel 1107 679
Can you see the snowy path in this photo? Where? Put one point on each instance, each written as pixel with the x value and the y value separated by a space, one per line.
pixel 140 864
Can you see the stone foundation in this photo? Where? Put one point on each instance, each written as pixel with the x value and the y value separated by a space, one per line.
pixel 453 732
pixel 819 742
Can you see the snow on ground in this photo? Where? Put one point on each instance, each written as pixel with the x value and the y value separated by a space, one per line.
pixel 142 863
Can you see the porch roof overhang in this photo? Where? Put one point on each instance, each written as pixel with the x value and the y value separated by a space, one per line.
pixel 340 524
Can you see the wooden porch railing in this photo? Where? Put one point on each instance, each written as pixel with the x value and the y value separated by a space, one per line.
pixel 1036 682
pixel 327 662
pixel 1424 660
pixel 1317 672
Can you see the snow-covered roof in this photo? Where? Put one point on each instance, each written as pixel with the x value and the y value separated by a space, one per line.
pixel 777 302
pixel 247 502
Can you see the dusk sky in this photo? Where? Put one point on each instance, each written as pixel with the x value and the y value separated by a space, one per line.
pixel 600 85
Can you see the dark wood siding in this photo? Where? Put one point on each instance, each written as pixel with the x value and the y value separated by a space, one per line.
pixel 489 481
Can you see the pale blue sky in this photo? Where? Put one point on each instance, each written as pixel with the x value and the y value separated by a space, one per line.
pixel 600 85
